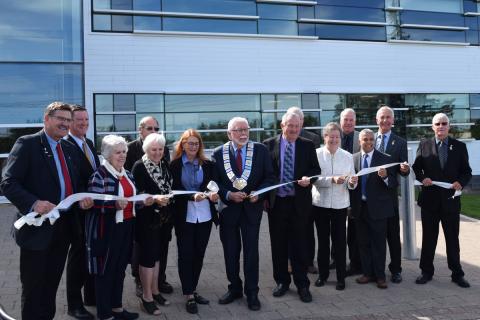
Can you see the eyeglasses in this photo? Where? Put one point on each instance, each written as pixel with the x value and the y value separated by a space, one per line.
pixel 62 119
pixel 437 124
pixel 240 130
pixel 193 144
pixel 152 128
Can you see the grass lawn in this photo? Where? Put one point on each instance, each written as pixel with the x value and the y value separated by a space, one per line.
pixel 471 205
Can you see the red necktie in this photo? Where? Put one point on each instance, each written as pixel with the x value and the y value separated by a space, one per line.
pixel 239 162
pixel 66 176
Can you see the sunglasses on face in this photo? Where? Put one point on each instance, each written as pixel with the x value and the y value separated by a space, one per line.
pixel 440 123
pixel 152 128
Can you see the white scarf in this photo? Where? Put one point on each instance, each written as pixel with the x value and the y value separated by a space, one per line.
pixel 119 175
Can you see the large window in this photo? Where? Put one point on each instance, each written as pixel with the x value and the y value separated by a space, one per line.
pixel 453 6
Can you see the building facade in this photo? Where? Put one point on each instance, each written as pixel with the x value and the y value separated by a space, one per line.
pixel 197 63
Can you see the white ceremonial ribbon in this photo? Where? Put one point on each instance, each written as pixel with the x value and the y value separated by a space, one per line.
pixel 444 185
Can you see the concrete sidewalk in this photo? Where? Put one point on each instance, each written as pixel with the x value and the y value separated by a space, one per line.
pixel 439 299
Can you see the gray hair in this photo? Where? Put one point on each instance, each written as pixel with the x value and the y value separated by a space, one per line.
pixel 331 126
pixel 234 120
pixel 347 111
pixel 151 139
pixel 289 115
pixel 142 122
pixel 440 116
pixel 365 132
pixel 297 111
pixel 109 142
pixel 384 107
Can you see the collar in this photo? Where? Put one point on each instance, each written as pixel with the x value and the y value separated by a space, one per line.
pixel 235 147
pixel 50 140
pixel 112 170
pixel 386 134
pixel 285 141
pixel 437 141
pixel 78 140
pixel 370 154
pixel 185 160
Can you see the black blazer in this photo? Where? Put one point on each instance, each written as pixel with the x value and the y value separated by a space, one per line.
pixel 181 201
pixel 427 165
pixel 261 177
pixel 135 152
pixel 315 138
pixel 85 167
pixel 380 199
pixel 31 175
pixel 306 164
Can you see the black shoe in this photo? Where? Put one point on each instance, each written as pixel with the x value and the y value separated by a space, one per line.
pixel 149 307
pixel 320 282
pixel 165 287
pixel 253 302
pixel 461 282
pixel 199 299
pixel 280 290
pixel 80 313
pixel 340 285
pixel 160 300
pixel 191 306
pixel 125 315
pixel 305 295
pixel 229 297
pixel 353 272
pixel 424 278
pixel 396 277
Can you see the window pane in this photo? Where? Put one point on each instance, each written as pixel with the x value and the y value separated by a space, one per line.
pixel 277 27
pixel 147 23
pixel 104 123
pixel 454 6
pixel 339 32
pixel 125 122
pixel 332 102
pixel 124 102
pixel 122 4
pixel 122 23
pixel 349 13
pixel 149 103
pixel 285 101
pixel 26 89
pixel 310 101
pixel 147 5
pixel 239 7
pixel 102 22
pixel 101 4
pixel 433 18
pixel 432 35
pixel 369 3
pixel 203 103
pixel 424 106
pixel 209 25
pixel 103 102
pixel 268 102
pixel 276 11
pixel 41 30
pixel 8 136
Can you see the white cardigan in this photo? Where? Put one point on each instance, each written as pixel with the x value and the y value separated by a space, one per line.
pixel 325 193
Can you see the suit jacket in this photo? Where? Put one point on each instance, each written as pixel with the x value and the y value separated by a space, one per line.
pixel 380 199
pixel 260 177
pixel 306 164
pixel 315 138
pixel 356 143
pixel 181 202
pixel 31 175
pixel 427 165
pixel 135 152
pixel 86 169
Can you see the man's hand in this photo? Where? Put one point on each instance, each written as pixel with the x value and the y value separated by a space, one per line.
pixel 199 196
pixel 253 199
pixel 237 196
pixel 161 199
pixel 304 182
pixel 213 196
pixel 353 180
pixel 148 201
pixel 404 167
pixel 43 206
pixel 121 204
pixel 427 182
pixel 382 172
pixel 86 203
pixel 338 179
pixel 457 186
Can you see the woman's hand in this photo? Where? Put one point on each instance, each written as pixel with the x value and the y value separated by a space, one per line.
pixel 86 203
pixel 353 180
pixel 338 179
pixel 148 201
pixel 213 196
pixel 161 199
pixel 121 204
pixel 199 196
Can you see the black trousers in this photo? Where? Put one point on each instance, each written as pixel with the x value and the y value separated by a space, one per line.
pixel 233 237
pixel 353 252
pixel 394 244
pixel 192 241
pixel 311 240
pixel 40 274
pixel 77 273
pixel 371 236
pixel 451 227
pixel 109 285
pixel 288 230
pixel 331 223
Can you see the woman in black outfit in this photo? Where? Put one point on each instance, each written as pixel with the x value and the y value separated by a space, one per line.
pixel 152 176
pixel 193 214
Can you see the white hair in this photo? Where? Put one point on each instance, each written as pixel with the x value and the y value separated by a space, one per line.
pixel 289 115
pixel 234 120
pixel 153 138
pixel 365 132
pixel 347 111
pixel 297 111
pixel 440 116
pixel 385 108
pixel 331 126
pixel 144 120
pixel 109 142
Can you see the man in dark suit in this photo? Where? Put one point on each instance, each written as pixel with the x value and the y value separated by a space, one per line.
pixel 372 204
pixel 294 159
pixel 350 143
pixel 241 167
pixel 445 159
pixel 40 172
pixel 77 274
pixel 396 147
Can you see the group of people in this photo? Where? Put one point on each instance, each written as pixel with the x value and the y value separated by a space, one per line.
pixel 312 185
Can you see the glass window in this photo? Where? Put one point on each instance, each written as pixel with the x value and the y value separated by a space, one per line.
pixel 147 5
pixel 149 103
pixel 432 35
pixel 277 11
pixel 209 25
pixel 475 100
pixel 433 18
pixel 101 4
pixel 310 101
pixel 306 29
pixel 147 23
pixel 424 106
pixel 26 89
pixel 349 13
pixel 41 30
pixel 345 32
pixel 285 101
pixel 104 123
pixel 123 102
pixel 102 22
pixel 125 122
pixel 454 6
pixel 122 23
pixel 103 102
pixel 122 4
pixel 237 7
pixel 268 102
pixel 369 3
pixel 278 27
pixel 205 103
pixel 306 12
pixel 332 102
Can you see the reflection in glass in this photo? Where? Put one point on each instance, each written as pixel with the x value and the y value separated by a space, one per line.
pixel 237 7
pixel 147 23
pixel 147 5
pixel 8 136
pixel 122 23
pixel 349 13
pixel 433 18
pixel 285 101
pixel 369 3
pixel 26 89
pixel 122 4
pixel 204 103
pixel 346 32
pixel 102 22
pixel 432 35
pixel 125 122
pixel 149 103
pixel 103 102
pixel 104 123
pixel 268 102
pixel 101 4
pixel 332 101
pixel 453 6
pixel 277 11
pixel 288 28
pixel 424 106
pixel 123 102
pixel 210 25
pixel 458 132
pixel 310 101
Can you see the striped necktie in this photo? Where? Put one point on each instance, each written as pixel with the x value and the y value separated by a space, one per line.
pixel 288 168
pixel 381 148
pixel 87 154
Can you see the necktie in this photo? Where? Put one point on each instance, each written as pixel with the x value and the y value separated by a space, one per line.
pixel 443 153
pixel 66 175
pixel 364 177
pixel 381 148
pixel 346 143
pixel 238 161
pixel 87 154
pixel 288 167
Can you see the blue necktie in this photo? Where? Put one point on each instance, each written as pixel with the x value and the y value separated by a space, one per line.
pixel 364 177
pixel 288 168
pixel 381 148
pixel 443 153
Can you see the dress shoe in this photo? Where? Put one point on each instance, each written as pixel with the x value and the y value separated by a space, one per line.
pixel 461 282
pixel 199 299
pixel 305 295
pixel 229 297
pixel 165 287
pixel 319 282
pixel 312 270
pixel 396 277
pixel 363 279
pixel 124 315
pixel 382 284
pixel 280 290
pixel 80 313
pixel 353 272
pixel 340 285
pixel 191 306
pixel 253 302
pixel 423 278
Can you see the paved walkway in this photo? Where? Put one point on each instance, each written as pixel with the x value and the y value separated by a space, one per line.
pixel 439 299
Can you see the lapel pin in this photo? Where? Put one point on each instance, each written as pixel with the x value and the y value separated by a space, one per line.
pixel 393 142
pixel 451 147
